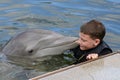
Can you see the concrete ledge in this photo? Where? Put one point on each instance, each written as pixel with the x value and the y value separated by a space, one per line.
pixel 104 68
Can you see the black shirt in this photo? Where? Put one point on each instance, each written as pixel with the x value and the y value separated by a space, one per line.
pixel 81 55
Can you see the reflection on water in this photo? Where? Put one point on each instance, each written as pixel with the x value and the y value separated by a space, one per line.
pixel 62 16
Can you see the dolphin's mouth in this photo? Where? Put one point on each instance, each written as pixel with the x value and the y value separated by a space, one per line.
pixel 54 48
pixel 62 44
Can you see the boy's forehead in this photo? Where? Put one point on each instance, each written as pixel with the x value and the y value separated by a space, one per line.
pixel 82 34
pixel 85 36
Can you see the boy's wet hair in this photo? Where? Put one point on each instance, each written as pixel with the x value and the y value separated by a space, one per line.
pixel 94 29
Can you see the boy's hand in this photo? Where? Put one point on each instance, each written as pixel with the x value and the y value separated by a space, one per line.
pixel 92 56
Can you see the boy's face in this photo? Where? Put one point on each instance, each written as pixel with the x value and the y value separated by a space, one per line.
pixel 86 42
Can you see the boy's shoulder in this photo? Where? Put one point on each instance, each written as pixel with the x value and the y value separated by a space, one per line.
pixel 104 45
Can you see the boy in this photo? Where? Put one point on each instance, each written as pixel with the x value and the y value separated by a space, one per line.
pixel 91 44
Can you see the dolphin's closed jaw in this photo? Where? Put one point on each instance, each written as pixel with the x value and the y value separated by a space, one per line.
pixel 38 43
pixel 54 50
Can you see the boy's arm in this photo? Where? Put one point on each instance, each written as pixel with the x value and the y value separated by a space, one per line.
pixel 95 55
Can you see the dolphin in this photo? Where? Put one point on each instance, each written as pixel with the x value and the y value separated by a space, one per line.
pixel 36 43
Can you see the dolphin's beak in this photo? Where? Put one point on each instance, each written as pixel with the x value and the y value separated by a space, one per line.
pixel 77 41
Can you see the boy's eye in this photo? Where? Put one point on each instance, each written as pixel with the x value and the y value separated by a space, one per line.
pixel 83 40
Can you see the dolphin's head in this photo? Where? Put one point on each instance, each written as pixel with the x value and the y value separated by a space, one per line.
pixel 38 43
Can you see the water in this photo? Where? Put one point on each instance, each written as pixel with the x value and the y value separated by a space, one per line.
pixel 62 16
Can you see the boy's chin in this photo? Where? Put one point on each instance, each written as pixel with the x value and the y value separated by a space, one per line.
pixel 83 48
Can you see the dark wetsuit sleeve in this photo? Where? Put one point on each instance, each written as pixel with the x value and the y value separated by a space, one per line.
pixel 105 51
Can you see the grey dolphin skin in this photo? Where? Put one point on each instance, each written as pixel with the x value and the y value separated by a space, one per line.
pixel 37 43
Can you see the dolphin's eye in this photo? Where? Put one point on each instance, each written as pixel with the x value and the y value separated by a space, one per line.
pixel 30 51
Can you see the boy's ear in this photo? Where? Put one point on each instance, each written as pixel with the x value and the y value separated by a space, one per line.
pixel 97 41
